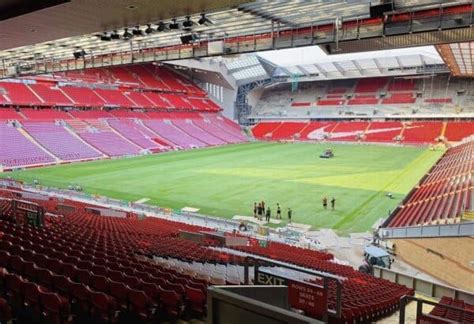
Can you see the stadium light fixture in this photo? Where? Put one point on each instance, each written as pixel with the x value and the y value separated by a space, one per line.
pixel 174 24
pixel 204 20
pixel 149 30
pixel 188 23
pixel 127 34
pixel 79 54
pixel 105 37
pixel 161 27
pixel 115 35
pixel 137 31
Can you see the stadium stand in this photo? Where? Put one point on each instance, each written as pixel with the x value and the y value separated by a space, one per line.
pixel 443 194
pixel 123 268
pixel 57 140
pixel 134 133
pixel 442 314
pixel 417 133
pixel 19 93
pixel 45 114
pixel 16 150
pixel 50 95
pixel 366 97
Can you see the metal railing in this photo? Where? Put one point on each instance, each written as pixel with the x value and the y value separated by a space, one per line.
pixel 425 287
pixel 426 231
pixel 420 316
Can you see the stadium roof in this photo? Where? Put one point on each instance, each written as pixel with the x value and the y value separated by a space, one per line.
pixel 316 65
pixel 246 19
pixel 52 35
pixel 459 57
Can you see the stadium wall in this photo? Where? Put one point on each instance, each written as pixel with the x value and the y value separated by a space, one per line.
pixel 447 259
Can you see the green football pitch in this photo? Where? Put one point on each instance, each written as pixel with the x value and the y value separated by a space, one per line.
pixel 226 181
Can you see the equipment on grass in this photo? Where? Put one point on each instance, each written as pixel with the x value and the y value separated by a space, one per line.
pixel 327 154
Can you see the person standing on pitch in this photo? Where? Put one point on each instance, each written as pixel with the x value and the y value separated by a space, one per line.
pixel 263 206
pixel 325 203
pixel 278 211
pixel 255 210
pixel 333 203
pixel 268 214
pixel 259 211
pixel 289 214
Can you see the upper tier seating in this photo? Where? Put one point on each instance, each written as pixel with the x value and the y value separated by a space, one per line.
pixel 50 95
pixel 379 98
pixel 439 100
pixel 20 94
pixel 402 85
pixel 157 100
pixel 176 101
pixel 90 114
pixel 45 114
pixel 114 98
pixel 9 114
pixel 17 150
pixel 370 85
pixel 57 140
pixel 140 100
pixel 444 193
pixel 363 100
pixel 85 97
pixel 399 98
pixel 147 78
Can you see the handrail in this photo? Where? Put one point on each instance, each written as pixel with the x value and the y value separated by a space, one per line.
pixel 419 307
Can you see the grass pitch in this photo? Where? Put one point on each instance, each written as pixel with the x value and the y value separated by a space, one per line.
pixel 226 181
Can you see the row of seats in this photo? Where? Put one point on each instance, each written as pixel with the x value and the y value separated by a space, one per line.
pixel 137 86
pixel 142 76
pixel 409 132
pixel 444 194
pixel 463 314
pixel 18 94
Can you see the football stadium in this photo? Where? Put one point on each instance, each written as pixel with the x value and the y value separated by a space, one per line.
pixel 236 161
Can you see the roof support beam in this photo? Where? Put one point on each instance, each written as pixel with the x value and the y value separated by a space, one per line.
pixel 377 63
pixel 339 68
pixel 359 68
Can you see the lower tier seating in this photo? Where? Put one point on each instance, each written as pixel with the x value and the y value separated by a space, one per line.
pixel 94 268
pixel 57 140
pixel 464 313
pixel 16 150
pixel 444 194
pixel 94 134
pixel 395 132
